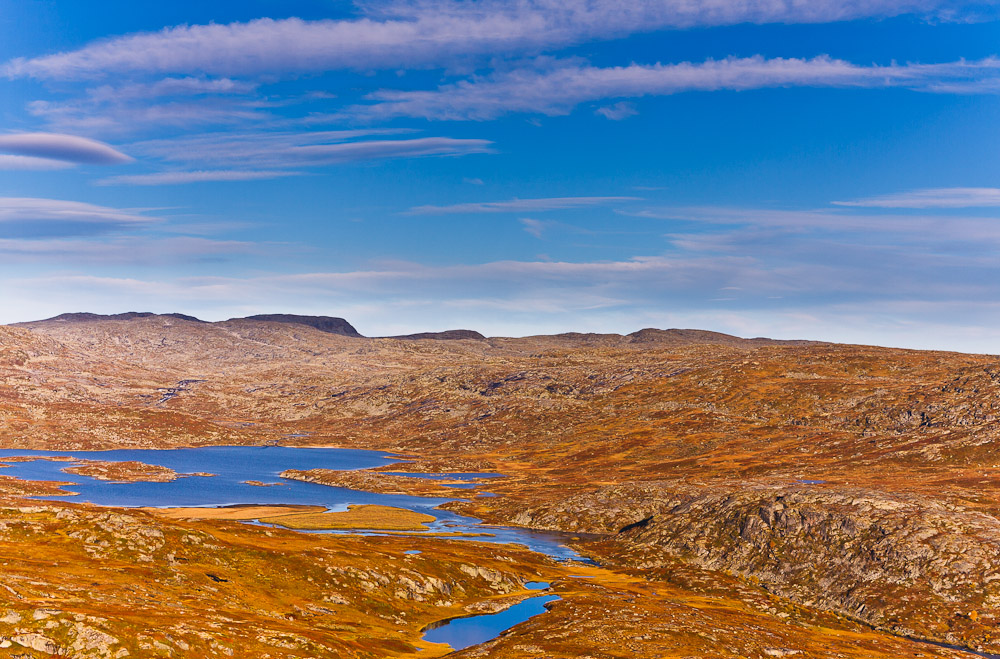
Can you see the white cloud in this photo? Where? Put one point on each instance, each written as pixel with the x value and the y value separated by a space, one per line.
pixel 229 148
pixel 772 230
pixel 186 86
pixel 831 299
pixel 122 251
pixel 414 34
pixel 22 163
pixel 932 198
pixel 282 149
pixel 593 285
pixel 823 218
pixel 176 178
pixel 134 115
pixel 33 216
pixel 558 90
pixel 65 148
pixel 519 205
pixel 534 227
pixel 618 111
pixel 130 107
pixel 320 154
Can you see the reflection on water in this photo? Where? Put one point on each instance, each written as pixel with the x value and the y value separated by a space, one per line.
pixel 232 465
pixel 461 633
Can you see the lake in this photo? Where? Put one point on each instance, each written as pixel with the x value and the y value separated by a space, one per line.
pixel 234 464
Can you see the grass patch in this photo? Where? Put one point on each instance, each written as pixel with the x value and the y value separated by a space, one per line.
pixel 356 517
pixel 235 513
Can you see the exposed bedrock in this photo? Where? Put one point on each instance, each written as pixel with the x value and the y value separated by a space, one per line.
pixel 907 564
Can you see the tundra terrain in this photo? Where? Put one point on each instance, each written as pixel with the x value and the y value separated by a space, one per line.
pixel 741 497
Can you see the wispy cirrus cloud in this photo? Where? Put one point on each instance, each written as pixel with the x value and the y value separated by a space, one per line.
pixel 557 90
pixel 170 86
pixel 932 198
pixel 777 279
pixel 497 284
pixel 695 281
pixel 34 217
pixel 118 117
pixel 303 149
pixel 68 149
pixel 863 256
pixel 768 229
pixel 128 107
pixel 534 227
pixel 65 233
pixel 130 250
pixel 231 147
pixel 24 163
pixel 618 111
pixel 519 205
pixel 321 154
pixel 204 176
pixel 249 156
pixel 416 34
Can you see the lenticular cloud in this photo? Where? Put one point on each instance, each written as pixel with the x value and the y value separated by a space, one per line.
pixel 64 148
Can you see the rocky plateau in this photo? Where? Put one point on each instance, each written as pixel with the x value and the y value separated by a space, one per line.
pixel 742 497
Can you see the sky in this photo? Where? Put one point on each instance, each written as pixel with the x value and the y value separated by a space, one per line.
pixel 826 170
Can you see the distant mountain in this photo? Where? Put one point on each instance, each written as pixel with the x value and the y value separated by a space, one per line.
pixel 447 335
pixel 339 326
pixel 83 317
pixel 327 324
pixel 689 336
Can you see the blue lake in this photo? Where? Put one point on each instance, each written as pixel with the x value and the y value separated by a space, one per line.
pixel 461 633
pixel 234 464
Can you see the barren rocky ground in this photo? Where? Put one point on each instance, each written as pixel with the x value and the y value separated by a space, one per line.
pixel 752 498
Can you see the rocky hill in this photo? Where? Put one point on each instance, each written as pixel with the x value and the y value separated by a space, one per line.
pixel 447 335
pixel 326 324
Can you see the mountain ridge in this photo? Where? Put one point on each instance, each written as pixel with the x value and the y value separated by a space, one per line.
pixel 340 326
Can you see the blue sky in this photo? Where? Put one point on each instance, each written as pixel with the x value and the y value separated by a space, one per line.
pixel 821 170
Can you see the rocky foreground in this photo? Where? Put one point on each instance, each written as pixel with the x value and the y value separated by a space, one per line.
pixel 752 498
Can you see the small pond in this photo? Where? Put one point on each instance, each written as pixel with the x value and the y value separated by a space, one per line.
pixel 461 633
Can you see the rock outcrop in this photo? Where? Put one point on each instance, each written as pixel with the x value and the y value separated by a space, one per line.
pixel 908 564
pixel 327 324
pixel 447 335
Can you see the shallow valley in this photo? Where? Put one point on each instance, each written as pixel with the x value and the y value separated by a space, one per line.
pixel 747 498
